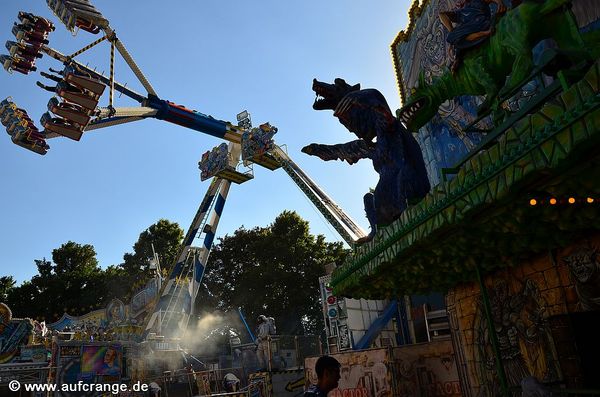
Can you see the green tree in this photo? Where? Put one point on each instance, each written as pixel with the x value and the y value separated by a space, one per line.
pixel 271 270
pixel 166 237
pixel 7 283
pixel 21 300
pixel 72 282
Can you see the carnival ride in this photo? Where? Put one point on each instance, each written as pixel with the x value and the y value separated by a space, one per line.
pixel 74 110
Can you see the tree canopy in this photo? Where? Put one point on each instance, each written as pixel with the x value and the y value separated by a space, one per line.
pixel 166 237
pixel 271 270
pixel 73 281
pixel 6 284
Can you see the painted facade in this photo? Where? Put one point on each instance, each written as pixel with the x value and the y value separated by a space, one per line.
pixel 15 333
pixel 117 321
pixel 422 50
pixel 519 216
pixel 541 310
pixel 425 369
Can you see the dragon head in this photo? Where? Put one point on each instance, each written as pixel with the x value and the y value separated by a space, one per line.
pixel 416 113
pixel 420 107
pixel 329 95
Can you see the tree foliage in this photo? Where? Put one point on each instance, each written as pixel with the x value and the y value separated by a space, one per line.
pixel 166 237
pixel 134 272
pixel 271 270
pixel 7 283
pixel 73 281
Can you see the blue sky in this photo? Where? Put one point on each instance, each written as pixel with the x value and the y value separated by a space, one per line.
pixel 217 57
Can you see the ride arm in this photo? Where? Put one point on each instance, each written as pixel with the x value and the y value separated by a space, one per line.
pixel 122 88
pixel 130 62
pixel 192 271
pixel 246 325
pixel 349 151
pixel 341 222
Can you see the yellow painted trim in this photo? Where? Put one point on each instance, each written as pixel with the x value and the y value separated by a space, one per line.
pixel 414 12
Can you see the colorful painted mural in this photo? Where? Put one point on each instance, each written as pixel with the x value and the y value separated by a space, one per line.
pixel 15 333
pixel 584 267
pixel 523 333
pixel 117 321
pixel 88 363
pixel 421 51
pixel 425 369
pixel 541 312
pixel 101 360
pixel 363 373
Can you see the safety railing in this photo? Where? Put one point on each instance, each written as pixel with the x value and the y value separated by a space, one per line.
pixel 285 351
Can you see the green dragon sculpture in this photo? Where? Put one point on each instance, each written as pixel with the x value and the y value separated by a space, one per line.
pixel 507 53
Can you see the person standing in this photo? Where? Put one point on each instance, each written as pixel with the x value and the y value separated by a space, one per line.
pixel 328 377
pixel 264 331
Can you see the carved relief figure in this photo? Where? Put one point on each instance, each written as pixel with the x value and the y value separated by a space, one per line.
pixel 523 335
pixel 469 25
pixel 584 265
pixel 507 52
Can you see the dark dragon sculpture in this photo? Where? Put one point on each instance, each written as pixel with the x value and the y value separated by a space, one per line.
pixel 506 53
pixel 395 153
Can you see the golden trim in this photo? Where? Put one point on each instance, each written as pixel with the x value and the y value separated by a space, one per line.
pixel 414 12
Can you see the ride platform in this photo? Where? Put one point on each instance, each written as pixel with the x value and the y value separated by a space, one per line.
pixel 266 160
pixel 230 174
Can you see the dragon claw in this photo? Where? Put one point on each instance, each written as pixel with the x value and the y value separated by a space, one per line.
pixel 309 149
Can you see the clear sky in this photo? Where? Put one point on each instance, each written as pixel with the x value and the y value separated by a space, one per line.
pixel 217 57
